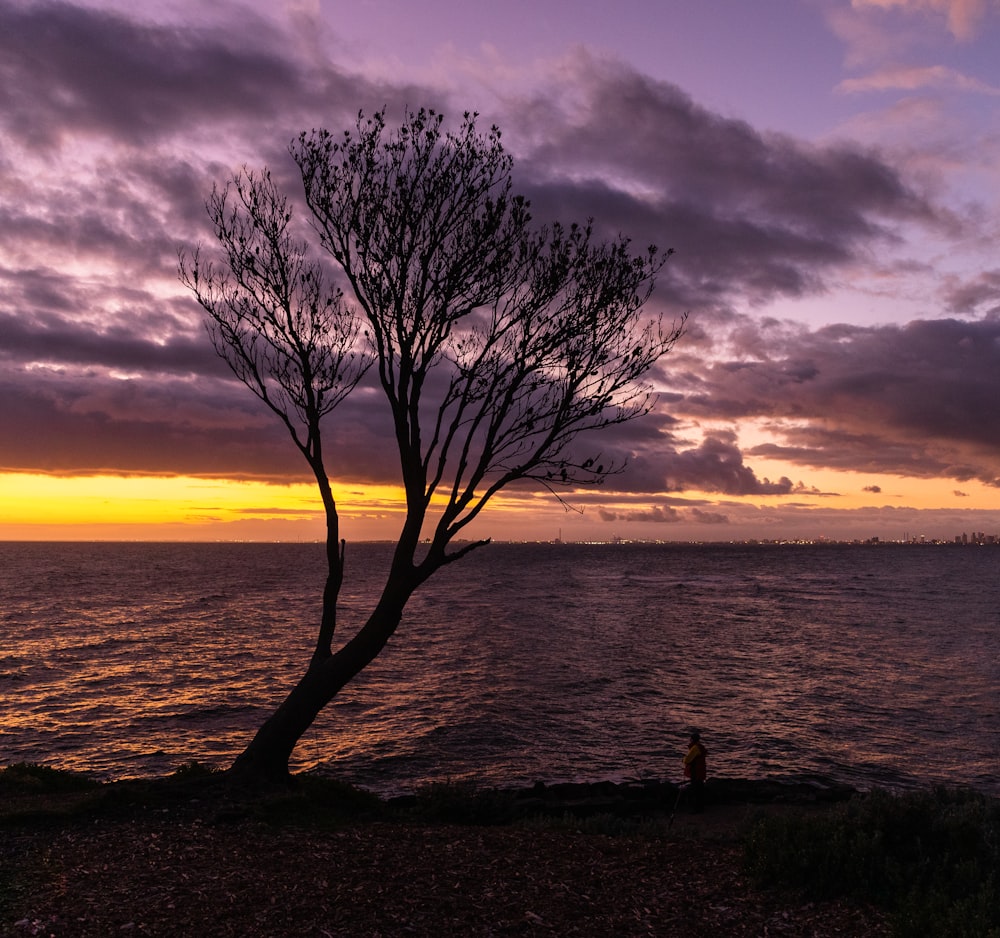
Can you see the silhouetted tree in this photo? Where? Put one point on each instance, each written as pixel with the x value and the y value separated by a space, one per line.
pixel 496 344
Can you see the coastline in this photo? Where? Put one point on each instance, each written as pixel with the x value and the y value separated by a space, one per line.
pixel 197 853
pixel 190 855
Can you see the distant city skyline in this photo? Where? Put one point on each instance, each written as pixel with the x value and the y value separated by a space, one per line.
pixel 827 171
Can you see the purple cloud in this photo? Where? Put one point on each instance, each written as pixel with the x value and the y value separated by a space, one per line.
pixel 113 131
pixel 921 399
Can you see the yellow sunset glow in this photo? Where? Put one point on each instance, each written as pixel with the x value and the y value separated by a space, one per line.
pixel 36 505
pixel 42 499
pixel 187 508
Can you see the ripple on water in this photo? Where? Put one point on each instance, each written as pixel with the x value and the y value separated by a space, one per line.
pixel 523 662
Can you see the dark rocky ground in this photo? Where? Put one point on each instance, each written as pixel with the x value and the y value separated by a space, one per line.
pixel 193 857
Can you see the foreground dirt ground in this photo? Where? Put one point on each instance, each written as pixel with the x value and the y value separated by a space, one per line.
pixel 164 873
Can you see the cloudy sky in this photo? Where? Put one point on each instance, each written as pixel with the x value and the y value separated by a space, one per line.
pixel 827 171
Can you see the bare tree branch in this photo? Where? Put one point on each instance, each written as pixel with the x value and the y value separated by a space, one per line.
pixel 497 344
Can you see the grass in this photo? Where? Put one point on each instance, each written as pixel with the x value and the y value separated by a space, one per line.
pixel 930 859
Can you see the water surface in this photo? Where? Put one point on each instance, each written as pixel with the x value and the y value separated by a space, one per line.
pixel 864 665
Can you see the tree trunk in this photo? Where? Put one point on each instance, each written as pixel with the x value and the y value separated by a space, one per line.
pixel 265 760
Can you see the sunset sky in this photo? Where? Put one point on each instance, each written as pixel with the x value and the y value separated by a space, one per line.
pixel 827 171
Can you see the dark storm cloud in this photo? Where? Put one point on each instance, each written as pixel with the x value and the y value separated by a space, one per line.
pixel 95 72
pixel 920 399
pixel 657 515
pixel 47 338
pixel 667 464
pixel 749 213
pixel 663 514
pixel 112 132
pixel 66 422
pixel 127 118
pixel 717 466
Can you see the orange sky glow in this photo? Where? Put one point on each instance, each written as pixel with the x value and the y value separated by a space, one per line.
pixel 185 508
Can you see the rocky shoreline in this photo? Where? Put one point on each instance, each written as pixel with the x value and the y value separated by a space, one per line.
pixel 650 797
pixel 186 856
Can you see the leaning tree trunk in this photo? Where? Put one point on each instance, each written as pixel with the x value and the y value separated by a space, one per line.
pixel 266 757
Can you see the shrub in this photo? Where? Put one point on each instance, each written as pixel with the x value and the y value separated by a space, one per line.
pixel 24 778
pixel 932 859
pixel 195 770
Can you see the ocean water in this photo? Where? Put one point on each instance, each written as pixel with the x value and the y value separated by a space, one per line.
pixel 521 663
